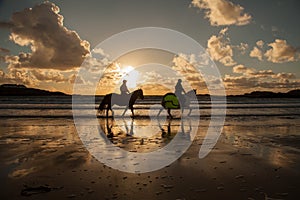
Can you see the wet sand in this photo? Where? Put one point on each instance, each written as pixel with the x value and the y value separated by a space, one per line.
pixel 45 159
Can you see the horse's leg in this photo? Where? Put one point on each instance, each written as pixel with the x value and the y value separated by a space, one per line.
pixel 132 111
pixel 169 112
pixel 131 108
pixel 159 112
pixel 190 112
pixel 112 112
pixel 107 109
pixel 125 111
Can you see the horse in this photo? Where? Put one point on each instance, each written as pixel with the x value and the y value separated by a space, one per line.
pixel 111 99
pixel 171 101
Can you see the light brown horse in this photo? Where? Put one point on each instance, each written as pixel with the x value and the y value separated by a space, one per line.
pixel 170 101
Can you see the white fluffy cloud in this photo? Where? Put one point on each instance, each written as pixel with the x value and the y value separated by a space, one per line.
pixel 222 12
pixel 52 45
pixel 281 52
pixel 256 53
pixel 219 48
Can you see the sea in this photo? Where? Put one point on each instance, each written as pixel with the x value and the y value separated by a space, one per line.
pixel 61 107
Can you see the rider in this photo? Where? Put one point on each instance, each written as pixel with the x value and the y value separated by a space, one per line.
pixel 124 89
pixel 178 92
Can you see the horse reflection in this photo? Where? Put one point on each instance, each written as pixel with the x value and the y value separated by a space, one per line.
pixel 112 129
pixel 126 132
pixel 181 129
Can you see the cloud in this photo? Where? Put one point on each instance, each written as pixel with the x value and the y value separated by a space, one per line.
pixel 262 73
pixel 112 76
pixel 73 78
pixel 222 12
pixel 281 52
pixel 95 65
pixel 196 72
pixel 283 75
pixel 251 72
pixel 49 76
pixel 219 48
pixel 237 82
pixel 241 69
pixel 256 53
pixel 242 47
pixel 52 45
pixel 251 79
pixel 34 77
pixel 155 89
pixel 242 84
pixel 260 43
pixel 17 76
pixel 184 66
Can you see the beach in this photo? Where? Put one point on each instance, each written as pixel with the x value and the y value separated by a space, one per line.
pixel 255 157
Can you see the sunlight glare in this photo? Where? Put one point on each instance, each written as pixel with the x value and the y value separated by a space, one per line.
pixel 131 76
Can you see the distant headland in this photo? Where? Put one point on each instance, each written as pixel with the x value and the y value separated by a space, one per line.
pixel 22 90
pixel 268 94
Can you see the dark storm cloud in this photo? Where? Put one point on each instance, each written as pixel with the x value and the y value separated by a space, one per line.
pixel 53 46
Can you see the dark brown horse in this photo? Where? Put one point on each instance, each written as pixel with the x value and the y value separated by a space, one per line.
pixel 116 99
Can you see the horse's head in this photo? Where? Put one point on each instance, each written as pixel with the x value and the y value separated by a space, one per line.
pixel 140 93
pixel 191 94
pixel 135 95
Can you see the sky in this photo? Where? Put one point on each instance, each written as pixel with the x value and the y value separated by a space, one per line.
pixel 254 43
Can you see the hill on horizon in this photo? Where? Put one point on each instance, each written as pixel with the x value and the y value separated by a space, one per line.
pixel 22 90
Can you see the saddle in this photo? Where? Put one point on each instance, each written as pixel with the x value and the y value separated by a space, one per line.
pixel 170 101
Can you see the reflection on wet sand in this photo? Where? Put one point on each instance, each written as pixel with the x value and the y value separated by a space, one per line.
pixel 33 145
pixel 144 135
pixel 46 159
pixel 278 149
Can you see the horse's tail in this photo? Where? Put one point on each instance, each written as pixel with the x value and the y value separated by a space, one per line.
pixel 102 104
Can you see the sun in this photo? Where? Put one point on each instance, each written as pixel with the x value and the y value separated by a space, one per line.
pixel 127 69
pixel 131 75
